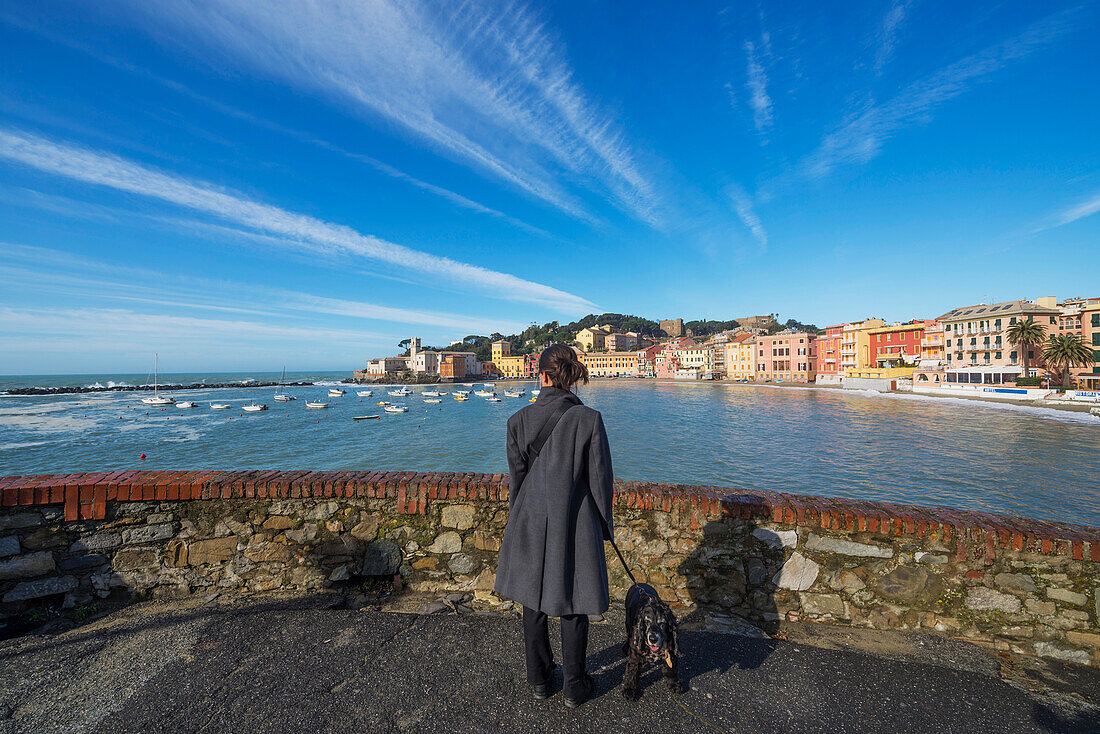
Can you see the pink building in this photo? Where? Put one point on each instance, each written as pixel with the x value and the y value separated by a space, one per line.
pixel 785 357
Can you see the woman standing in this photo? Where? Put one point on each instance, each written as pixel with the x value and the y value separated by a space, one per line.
pixel 552 557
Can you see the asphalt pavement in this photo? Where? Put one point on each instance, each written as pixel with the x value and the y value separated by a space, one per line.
pixel 306 664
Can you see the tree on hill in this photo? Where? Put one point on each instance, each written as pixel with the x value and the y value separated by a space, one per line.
pixel 706 328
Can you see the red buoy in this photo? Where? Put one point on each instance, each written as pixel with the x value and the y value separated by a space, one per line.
pixel 142 457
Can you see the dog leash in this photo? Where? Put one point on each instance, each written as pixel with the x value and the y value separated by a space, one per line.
pixel 533 451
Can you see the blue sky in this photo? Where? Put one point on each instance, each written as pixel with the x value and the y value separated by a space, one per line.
pixel 243 185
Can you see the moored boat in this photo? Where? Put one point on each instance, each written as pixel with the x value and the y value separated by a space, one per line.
pixel 186 404
pixel 157 398
pixel 395 409
pixel 253 407
pixel 433 401
pixel 485 394
pixel 336 392
pixel 220 406
pixel 317 405
pixel 280 396
pixel 365 393
pixel 492 400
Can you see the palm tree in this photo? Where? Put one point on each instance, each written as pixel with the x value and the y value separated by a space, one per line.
pixel 1066 351
pixel 1024 335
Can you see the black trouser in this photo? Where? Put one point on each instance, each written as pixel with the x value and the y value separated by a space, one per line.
pixel 540 660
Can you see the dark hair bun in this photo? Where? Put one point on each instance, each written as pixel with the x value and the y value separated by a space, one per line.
pixel 563 367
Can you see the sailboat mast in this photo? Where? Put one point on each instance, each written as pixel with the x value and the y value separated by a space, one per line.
pixel 155 356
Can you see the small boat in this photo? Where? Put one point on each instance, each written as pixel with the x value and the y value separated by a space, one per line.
pixel 492 400
pixel 253 407
pixel 485 393
pixel 336 392
pixel 433 401
pixel 157 398
pixel 535 392
pixel 1095 411
pixel 532 400
pixel 283 397
pixel 463 393
pixel 431 393
pixel 358 418
pixel 316 406
pixel 186 404
pixel 514 393
pixel 402 393
pixel 396 409
pixel 220 406
pixel 383 402
pixel 468 384
pixel 489 385
pixel 461 398
pixel 365 394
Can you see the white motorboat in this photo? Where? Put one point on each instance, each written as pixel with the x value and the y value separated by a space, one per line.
pixel 157 398
pixel 220 406
pixel 535 392
pixel 401 392
pixel 395 409
pixel 253 407
pixel 433 401
pixel 1095 411
pixel 431 393
pixel 186 404
pixel 514 393
pixel 492 400
pixel 280 396
pixel 485 394
pixel 365 393
pixel 463 393
pixel 336 392
pixel 316 406
pixel 489 385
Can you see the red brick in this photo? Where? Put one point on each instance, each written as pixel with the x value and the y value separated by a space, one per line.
pixel 1078 551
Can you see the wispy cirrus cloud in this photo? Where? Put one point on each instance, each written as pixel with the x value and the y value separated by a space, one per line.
pixel 485 85
pixel 757 84
pixel 743 206
pixel 322 237
pixel 1084 208
pixel 861 136
pixel 52 272
pixel 887 34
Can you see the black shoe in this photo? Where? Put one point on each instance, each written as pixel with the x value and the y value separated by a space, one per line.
pixel 541 691
pixel 589 689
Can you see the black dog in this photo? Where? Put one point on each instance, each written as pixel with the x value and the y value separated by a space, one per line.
pixel 651 637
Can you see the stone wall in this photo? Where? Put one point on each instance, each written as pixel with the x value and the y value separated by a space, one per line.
pixel 1005 582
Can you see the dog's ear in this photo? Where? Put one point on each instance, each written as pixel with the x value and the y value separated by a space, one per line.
pixel 638 633
pixel 674 632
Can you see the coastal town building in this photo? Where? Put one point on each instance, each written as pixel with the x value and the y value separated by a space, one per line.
pixel 610 364
pixel 684 359
pixel 930 368
pixel 421 361
pixel 758 324
pixel 620 341
pixel 785 357
pixel 976 343
pixel 646 357
pixel 897 345
pixel 672 327
pixel 520 366
pixel 1089 378
pixel 500 348
pixel 452 367
pixel 827 359
pixel 739 358
pixel 592 338
pixel 855 344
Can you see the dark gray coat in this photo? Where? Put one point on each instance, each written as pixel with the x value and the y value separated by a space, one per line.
pixel 552 555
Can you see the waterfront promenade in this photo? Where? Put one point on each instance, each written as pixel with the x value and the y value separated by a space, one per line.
pixel 295 664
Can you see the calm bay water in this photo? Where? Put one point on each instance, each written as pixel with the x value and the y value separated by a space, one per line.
pixel 1035 462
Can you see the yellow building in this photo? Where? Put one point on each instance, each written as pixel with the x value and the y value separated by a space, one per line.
pixel 610 364
pixel 501 349
pixel 511 366
pixel 740 364
pixel 591 339
pixel 855 345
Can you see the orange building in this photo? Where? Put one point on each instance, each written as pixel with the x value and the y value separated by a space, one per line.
pixel 452 367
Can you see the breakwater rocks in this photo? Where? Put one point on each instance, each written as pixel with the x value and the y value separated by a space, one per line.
pixel 147 388
pixel 768 557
